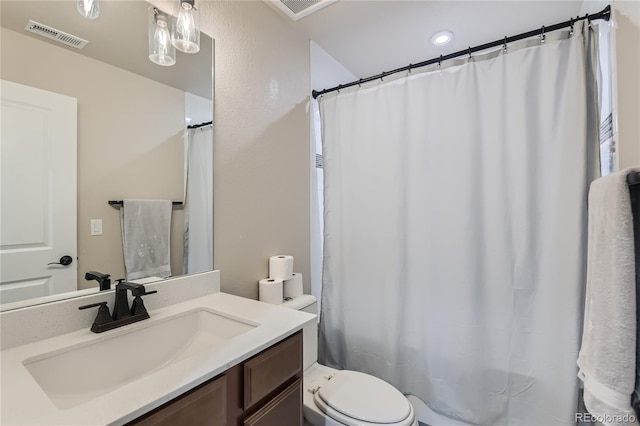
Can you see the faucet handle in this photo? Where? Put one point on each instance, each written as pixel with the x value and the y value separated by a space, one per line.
pixel 137 307
pixel 103 317
pixel 93 305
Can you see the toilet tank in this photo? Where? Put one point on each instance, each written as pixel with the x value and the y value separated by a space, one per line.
pixel 304 303
pixel 309 304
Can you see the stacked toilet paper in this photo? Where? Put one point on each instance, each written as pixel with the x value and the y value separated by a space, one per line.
pixel 282 283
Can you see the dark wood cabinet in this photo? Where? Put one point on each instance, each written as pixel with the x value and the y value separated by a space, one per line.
pixel 272 368
pixel 265 390
pixel 284 409
pixel 204 405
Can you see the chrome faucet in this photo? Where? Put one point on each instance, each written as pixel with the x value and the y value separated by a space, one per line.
pixel 122 314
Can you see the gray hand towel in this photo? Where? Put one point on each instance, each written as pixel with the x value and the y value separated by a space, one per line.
pixel 146 228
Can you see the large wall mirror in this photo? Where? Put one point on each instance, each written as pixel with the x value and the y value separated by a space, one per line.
pixel 132 142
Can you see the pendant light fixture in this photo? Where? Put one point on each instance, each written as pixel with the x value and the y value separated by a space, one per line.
pixel 161 50
pixel 90 9
pixel 186 29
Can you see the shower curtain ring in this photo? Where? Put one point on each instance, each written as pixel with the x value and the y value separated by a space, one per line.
pixel 410 69
pixel 360 83
pixel 382 75
pixel 571 28
pixel 440 62
pixel 469 52
pixel 504 46
pixel 543 37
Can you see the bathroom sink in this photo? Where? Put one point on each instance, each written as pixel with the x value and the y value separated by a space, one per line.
pixel 86 371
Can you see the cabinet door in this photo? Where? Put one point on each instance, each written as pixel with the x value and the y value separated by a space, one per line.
pixel 284 409
pixel 203 406
pixel 274 367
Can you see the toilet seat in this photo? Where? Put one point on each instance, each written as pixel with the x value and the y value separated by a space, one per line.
pixel 354 398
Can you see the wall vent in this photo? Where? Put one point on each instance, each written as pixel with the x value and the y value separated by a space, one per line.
pixel 297 9
pixel 54 34
pixel 319 161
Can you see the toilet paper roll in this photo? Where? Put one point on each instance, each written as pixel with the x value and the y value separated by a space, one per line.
pixel 270 291
pixel 281 267
pixel 293 287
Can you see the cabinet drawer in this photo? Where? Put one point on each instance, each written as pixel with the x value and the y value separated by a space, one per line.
pixel 203 406
pixel 269 370
pixel 284 409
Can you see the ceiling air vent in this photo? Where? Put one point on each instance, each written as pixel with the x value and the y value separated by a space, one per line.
pixel 296 9
pixel 57 35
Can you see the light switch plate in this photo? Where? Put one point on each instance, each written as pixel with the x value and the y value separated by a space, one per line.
pixel 96 226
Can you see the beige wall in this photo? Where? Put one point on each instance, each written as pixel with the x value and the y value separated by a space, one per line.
pixel 262 148
pixel 262 145
pixel 627 18
pixel 129 141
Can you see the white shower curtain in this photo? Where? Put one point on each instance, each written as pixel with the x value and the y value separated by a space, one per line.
pixel 454 242
pixel 198 235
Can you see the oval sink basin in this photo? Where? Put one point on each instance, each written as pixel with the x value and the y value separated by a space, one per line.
pixel 81 373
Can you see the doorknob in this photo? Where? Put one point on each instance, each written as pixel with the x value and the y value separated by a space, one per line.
pixel 64 261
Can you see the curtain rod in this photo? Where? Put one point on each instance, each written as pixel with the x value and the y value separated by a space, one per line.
pixel 197 126
pixel 603 14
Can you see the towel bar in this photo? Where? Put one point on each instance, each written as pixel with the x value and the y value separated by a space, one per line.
pixel 119 203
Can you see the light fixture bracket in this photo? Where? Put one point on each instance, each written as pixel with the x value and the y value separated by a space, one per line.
pixel 160 17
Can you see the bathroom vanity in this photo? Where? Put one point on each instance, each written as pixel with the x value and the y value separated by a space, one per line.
pixel 265 390
pixel 213 359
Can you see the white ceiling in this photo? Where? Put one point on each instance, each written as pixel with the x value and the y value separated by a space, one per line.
pixel 369 37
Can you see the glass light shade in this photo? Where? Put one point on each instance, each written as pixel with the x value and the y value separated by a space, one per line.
pixel 161 51
pixel 90 9
pixel 186 28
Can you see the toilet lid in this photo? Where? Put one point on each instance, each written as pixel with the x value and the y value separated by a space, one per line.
pixel 364 397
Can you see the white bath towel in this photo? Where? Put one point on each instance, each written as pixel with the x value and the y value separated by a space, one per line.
pixel 608 353
pixel 146 228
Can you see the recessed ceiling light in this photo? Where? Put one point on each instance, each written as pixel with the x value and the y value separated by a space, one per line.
pixel 441 38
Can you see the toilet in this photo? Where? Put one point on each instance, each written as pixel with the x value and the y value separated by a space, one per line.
pixel 342 397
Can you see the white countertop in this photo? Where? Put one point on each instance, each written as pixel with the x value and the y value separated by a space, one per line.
pixel 23 402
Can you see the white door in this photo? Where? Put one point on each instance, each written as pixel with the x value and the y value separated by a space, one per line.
pixel 37 192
